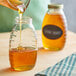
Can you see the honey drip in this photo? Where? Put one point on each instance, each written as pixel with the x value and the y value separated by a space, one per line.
pixel 20 15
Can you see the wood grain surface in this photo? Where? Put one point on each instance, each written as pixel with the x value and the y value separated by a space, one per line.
pixel 45 58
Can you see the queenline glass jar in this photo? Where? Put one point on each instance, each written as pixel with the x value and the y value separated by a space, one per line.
pixel 54 28
pixel 23 45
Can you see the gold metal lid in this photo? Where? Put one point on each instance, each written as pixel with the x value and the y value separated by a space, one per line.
pixel 55 6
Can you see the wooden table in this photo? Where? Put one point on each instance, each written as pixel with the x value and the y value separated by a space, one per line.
pixel 44 60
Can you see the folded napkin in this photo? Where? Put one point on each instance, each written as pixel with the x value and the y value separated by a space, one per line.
pixel 66 67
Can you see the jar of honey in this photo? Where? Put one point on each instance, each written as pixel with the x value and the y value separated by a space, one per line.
pixel 23 45
pixel 54 28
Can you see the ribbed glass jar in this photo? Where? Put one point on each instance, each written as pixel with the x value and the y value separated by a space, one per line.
pixel 23 45
pixel 54 28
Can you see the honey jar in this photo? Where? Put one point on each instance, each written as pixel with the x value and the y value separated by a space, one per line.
pixel 23 45
pixel 54 28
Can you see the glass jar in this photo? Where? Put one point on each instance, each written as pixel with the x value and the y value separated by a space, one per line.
pixel 54 28
pixel 23 45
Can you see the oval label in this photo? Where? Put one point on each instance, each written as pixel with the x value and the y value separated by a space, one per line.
pixel 52 31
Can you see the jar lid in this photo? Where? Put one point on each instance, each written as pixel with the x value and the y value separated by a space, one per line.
pixel 55 6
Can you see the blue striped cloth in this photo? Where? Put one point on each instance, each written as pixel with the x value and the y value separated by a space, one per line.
pixel 66 67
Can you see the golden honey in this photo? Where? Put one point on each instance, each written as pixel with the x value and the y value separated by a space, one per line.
pixel 22 59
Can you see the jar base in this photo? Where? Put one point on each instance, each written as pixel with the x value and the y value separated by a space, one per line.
pixel 24 68
pixel 52 48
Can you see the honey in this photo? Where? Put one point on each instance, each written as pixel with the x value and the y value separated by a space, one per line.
pixel 54 30
pixel 22 58
pixel 20 15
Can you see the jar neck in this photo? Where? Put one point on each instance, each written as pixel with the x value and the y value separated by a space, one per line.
pixel 24 20
pixel 55 11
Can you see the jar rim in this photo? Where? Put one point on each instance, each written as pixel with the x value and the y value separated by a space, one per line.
pixel 24 19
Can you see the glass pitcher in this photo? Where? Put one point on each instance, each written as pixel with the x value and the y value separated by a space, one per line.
pixel 13 4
